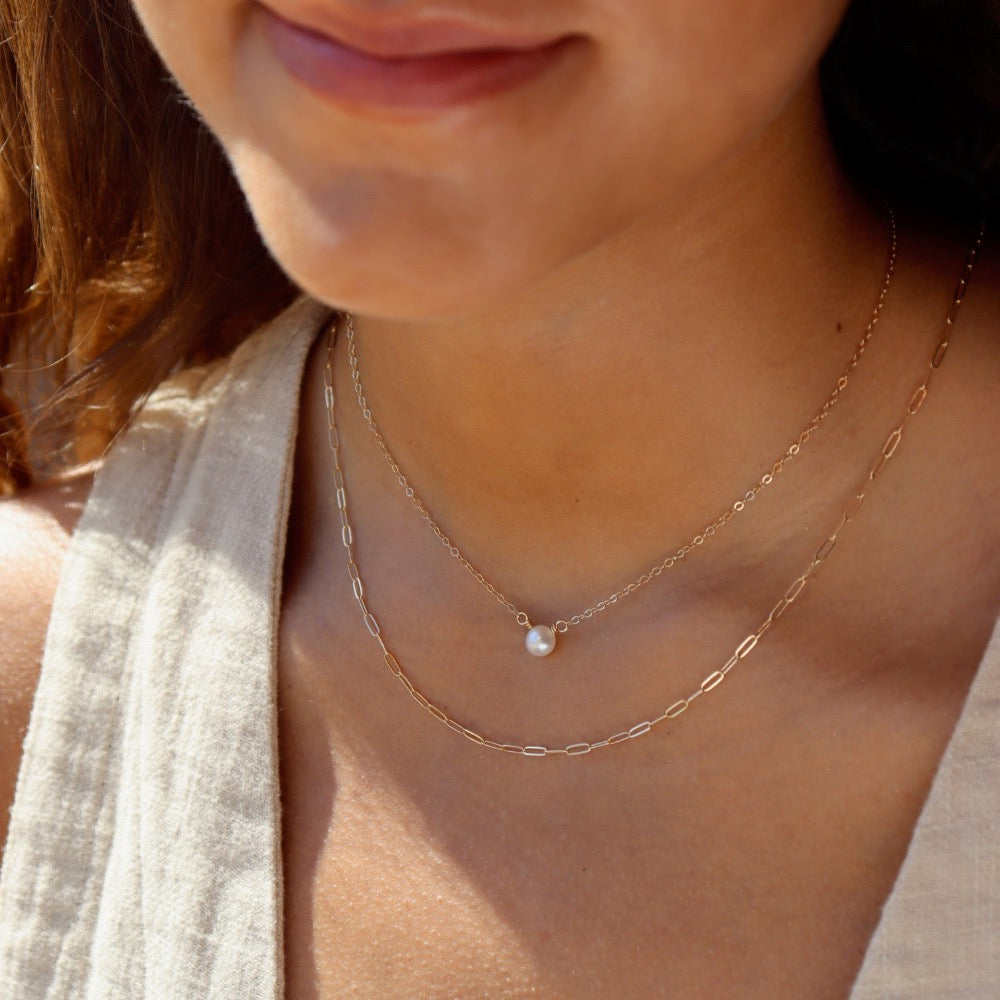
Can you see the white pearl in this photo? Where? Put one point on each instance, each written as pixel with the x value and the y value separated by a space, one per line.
pixel 540 640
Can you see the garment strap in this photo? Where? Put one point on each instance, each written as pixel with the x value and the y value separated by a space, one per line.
pixel 143 856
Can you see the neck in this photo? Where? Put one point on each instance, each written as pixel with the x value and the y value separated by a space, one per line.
pixel 605 415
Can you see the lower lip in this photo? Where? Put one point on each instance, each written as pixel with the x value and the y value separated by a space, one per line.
pixel 423 83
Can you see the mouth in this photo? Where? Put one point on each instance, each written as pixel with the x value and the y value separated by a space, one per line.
pixel 421 66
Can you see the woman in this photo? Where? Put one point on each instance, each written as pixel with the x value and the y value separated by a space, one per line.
pixel 560 282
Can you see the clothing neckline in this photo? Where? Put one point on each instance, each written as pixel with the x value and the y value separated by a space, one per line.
pixel 890 956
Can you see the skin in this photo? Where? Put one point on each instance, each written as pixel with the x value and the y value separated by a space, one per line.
pixel 545 284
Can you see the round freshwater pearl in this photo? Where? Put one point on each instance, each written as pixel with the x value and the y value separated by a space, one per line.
pixel 540 640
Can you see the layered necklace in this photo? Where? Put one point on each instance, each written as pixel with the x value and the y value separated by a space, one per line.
pixel 540 640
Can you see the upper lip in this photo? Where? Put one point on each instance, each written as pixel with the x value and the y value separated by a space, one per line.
pixel 396 38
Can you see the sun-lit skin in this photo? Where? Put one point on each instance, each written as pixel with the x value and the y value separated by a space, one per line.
pixel 590 311
pixel 531 261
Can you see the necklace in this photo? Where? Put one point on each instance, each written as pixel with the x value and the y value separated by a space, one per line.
pixel 716 677
pixel 540 639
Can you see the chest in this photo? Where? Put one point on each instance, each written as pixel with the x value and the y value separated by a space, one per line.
pixel 744 851
pixel 753 869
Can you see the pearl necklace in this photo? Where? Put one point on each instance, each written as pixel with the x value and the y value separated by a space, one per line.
pixel 540 639
pixel 716 677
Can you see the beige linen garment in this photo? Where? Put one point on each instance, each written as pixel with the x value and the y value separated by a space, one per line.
pixel 144 852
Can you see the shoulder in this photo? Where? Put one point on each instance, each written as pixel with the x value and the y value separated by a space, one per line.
pixel 35 529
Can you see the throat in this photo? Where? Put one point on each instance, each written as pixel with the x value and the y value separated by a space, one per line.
pixel 602 436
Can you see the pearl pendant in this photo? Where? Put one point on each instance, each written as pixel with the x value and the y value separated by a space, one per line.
pixel 540 641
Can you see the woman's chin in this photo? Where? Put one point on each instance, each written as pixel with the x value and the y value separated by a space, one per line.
pixel 401 265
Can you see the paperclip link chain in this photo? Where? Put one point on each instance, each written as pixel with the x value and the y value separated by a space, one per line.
pixel 743 650
pixel 562 625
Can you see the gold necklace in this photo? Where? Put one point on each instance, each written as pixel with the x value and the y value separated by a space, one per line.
pixel 540 640
pixel 714 679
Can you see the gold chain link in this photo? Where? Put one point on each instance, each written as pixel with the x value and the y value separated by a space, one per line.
pixel 714 679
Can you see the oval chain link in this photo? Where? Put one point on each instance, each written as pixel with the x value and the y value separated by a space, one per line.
pixel 744 649
pixel 563 625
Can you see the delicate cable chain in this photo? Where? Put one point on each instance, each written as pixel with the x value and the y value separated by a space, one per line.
pixel 562 625
pixel 714 679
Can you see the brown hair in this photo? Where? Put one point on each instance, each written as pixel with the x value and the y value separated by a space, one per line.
pixel 127 250
pixel 126 247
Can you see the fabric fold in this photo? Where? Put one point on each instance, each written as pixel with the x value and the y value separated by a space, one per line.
pixel 143 856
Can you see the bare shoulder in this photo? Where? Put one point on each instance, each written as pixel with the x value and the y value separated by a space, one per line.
pixel 35 528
